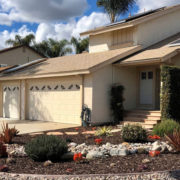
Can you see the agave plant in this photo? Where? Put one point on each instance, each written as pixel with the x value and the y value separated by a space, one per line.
pixel 174 139
pixel 104 131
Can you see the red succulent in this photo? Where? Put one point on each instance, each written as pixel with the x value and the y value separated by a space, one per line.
pixel 154 153
pixel 77 157
pixel 98 141
pixel 154 137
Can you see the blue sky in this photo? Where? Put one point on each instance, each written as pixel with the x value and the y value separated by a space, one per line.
pixel 58 19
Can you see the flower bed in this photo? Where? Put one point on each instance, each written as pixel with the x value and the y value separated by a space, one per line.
pixel 96 155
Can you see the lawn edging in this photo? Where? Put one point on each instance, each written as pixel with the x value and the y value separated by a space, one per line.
pixel 170 175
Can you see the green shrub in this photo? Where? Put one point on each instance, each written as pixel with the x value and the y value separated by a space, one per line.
pixel 45 148
pixel 104 131
pixel 170 96
pixel 166 127
pixel 117 103
pixel 134 133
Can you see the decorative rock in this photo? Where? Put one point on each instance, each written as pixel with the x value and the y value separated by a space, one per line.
pixel 112 164
pixel 118 152
pixel 145 161
pixel 47 163
pixel 123 152
pixel 72 144
pixel 67 156
pixel 156 146
pixel 10 161
pixel 84 152
pixel 94 154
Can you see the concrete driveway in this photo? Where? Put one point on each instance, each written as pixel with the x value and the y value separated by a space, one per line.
pixel 26 127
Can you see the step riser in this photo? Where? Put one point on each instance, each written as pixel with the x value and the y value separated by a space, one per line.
pixel 143 114
pixel 147 119
pixel 143 117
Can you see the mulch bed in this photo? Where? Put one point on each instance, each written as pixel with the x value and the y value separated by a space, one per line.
pixel 111 165
pixel 128 164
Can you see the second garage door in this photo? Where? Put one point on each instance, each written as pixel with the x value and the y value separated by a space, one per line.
pixel 56 100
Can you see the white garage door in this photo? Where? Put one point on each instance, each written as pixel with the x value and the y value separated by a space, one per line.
pixel 11 101
pixel 58 100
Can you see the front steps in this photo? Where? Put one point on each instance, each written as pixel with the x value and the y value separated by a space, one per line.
pixel 146 118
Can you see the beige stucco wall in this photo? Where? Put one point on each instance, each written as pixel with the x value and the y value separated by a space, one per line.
pixel 102 82
pixel 157 29
pixel 18 56
pixel 127 76
pixel 88 90
pixel 100 42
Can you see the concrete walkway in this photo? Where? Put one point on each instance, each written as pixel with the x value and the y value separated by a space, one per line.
pixel 26 127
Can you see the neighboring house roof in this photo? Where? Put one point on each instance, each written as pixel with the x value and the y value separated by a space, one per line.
pixel 74 64
pixel 16 47
pixel 5 68
pixel 134 20
pixel 158 52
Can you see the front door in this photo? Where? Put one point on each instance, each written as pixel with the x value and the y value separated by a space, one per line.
pixel 146 87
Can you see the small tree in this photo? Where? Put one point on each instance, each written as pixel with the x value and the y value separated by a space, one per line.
pixel 117 99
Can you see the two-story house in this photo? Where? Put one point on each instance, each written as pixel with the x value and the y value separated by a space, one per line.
pixel 129 52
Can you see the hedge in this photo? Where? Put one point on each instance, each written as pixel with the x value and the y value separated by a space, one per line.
pixel 170 93
pixel 117 103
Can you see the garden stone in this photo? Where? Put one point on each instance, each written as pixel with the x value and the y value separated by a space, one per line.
pixel 112 164
pixel 114 152
pixel 123 152
pixel 94 154
pixel 156 146
pixel 72 144
pixel 67 156
pixel 84 152
pixel 47 163
pixel 145 161
pixel 132 151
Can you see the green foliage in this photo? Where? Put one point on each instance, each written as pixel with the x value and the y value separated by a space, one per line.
pixel 117 103
pixel 45 148
pixel 166 127
pixel 170 97
pixel 114 8
pixel 80 45
pixel 104 131
pixel 18 40
pixel 134 133
pixel 52 48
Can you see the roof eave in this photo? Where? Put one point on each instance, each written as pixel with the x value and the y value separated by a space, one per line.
pixel 129 24
pixel 48 75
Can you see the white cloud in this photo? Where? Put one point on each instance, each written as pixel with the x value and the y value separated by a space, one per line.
pixel 73 28
pixel 153 4
pixel 42 10
pixel 58 31
pixel 5 35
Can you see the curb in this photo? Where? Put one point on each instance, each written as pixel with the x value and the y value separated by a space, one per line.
pixel 165 175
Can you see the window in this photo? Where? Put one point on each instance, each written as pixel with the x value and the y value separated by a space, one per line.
pixel 150 75
pixel 143 75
